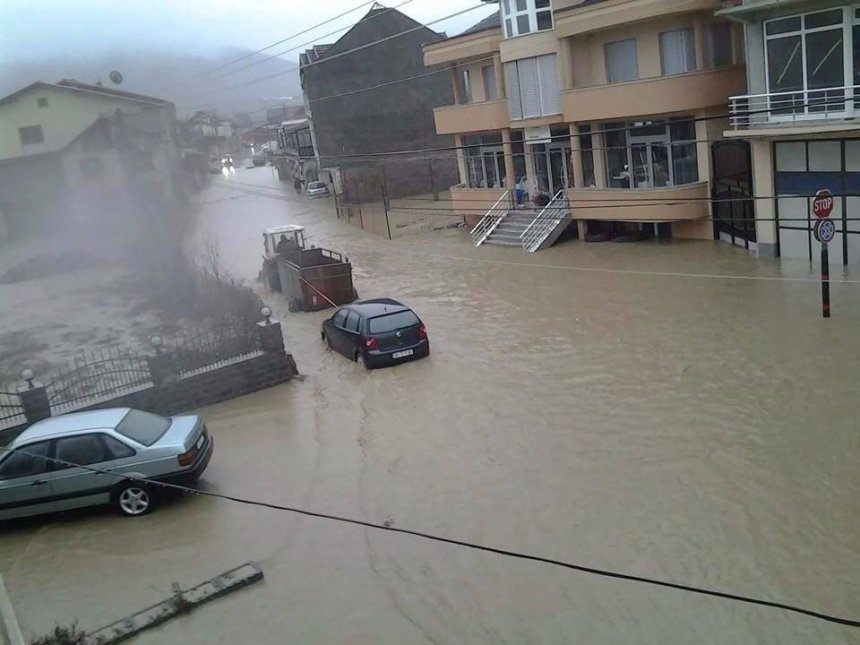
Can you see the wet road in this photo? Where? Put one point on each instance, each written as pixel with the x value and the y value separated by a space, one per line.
pixel 698 430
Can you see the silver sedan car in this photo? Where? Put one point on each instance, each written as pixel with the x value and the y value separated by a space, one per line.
pixel 317 189
pixel 107 448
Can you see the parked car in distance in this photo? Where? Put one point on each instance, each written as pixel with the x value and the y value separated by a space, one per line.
pixel 317 189
pixel 375 333
pixel 126 443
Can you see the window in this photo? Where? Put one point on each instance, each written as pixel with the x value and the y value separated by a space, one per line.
pixel 392 322
pixel 143 427
pixel 467 86
pixel 651 154
pixel 31 134
pixel 116 449
pixel 526 16
pixel 81 450
pixel 718 44
pixel 339 319
pixel 677 53
pixel 42 102
pixel 91 167
pixel 18 464
pixel 488 73
pixel 621 61
pixel 806 63
pixel 353 322
pixel 485 161
pixel 533 87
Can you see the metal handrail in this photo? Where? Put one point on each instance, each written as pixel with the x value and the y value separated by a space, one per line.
pixel 794 105
pixel 491 220
pixel 545 222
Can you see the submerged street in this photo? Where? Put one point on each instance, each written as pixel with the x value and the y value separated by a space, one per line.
pixel 602 404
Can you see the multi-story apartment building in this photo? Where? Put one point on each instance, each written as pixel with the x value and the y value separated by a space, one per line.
pixel 803 74
pixel 612 102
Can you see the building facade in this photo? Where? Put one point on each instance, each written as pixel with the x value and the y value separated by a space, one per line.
pixel 611 104
pixel 356 105
pixel 798 113
pixel 70 151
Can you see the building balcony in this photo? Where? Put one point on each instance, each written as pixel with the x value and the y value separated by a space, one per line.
pixel 668 204
pixel 472 117
pixel 801 111
pixel 653 96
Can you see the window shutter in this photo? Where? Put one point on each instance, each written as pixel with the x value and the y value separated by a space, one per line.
pixel 549 85
pixel 529 87
pixel 512 82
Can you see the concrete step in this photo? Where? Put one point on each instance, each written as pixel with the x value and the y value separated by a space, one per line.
pixel 503 242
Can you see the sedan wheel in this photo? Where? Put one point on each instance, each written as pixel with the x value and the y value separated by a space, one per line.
pixel 133 500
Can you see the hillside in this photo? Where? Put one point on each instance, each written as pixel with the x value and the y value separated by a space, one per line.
pixel 174 76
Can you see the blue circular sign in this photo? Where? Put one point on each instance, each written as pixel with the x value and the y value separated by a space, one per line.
pixel 824 230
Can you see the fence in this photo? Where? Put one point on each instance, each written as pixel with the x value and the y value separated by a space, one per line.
pixel 11 410
pixel 97 375
pixel 197 368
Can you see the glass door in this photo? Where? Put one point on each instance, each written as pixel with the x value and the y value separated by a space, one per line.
pixel 651 163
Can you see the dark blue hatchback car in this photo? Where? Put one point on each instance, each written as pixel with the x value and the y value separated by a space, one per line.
pixel 375 333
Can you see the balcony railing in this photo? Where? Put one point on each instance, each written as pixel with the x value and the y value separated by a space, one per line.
pixel 755 110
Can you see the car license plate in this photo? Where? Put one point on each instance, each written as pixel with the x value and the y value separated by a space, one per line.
pixel 200 442
pixel 404 353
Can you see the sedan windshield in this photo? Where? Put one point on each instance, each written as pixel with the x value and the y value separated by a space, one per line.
pixel 143 427
pixel 391 322
pixel 316 184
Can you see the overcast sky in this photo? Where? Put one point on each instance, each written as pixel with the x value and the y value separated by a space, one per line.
pixel 48 28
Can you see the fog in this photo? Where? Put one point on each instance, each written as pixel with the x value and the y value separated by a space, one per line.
pixel 160 44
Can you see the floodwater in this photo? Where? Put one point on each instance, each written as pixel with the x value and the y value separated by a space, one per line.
pixel 698 430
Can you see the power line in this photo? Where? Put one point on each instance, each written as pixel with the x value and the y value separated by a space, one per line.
pixel 386 84
pixel 469 545
pixel 316 39
pixel 328 59
pixel 283 40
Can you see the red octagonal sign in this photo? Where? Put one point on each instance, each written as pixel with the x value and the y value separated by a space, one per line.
pixel 822 203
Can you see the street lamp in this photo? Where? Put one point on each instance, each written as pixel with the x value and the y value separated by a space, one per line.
pixel 156 342
pixel 28 375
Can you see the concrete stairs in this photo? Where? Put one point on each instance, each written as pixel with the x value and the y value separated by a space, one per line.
pixel 509 230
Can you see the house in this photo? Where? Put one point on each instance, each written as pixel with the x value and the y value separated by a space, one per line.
pixel 210 134
pixel 296 155
pixel 356 104
pixel 605 107
pixel 798 113
pixel 68 150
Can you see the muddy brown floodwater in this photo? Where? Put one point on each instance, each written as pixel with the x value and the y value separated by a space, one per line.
pixel 698 430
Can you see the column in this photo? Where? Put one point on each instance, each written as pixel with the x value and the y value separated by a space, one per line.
pixel 499 72
pixel 508 149
pixel 576 157
pixel 598 142
pixel 455 84
pixel 565 62
pixel 461 159
pixel 765 212
pixel 531 173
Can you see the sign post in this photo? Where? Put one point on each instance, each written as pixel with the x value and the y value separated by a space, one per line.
pixel 824 231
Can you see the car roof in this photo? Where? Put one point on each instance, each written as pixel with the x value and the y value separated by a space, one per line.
pixel 378 307
pixel 93 420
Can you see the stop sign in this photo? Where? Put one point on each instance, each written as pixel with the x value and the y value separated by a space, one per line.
pixel 822 203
